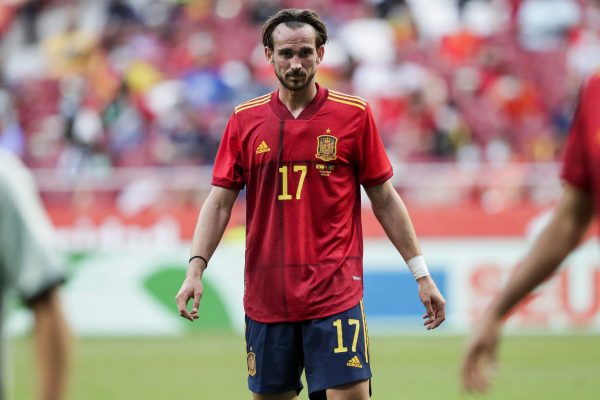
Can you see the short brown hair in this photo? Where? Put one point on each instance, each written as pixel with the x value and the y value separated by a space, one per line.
pixel 294 18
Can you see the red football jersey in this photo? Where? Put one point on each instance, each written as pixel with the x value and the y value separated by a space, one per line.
pixel 581 165
pixel 303 235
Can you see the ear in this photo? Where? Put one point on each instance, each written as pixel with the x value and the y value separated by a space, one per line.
pixel 320 54
pixel 269 55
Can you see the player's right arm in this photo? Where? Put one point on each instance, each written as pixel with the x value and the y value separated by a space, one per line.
pixel 566 229
pixel 212 221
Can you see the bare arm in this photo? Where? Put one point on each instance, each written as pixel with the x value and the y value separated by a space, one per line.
pixel 52 339
pixel 568 225
pixel 213 219
pixel 393 216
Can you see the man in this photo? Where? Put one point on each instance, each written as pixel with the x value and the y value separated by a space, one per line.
pixel 29 264
pixel 302 152
pixel 581 173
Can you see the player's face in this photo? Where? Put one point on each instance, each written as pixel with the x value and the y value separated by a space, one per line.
pixel 295 56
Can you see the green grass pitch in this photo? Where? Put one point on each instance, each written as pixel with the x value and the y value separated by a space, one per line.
pixel 212 366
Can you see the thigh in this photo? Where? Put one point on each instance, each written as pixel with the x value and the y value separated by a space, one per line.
pixel 292 395
pixel 274 357
pixel 336 351
pixel 352 391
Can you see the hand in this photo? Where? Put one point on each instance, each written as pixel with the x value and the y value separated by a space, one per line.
pixel 433 301
pixel 191 288
pixel 479 362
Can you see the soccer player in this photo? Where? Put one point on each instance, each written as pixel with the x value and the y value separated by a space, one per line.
pixel 581 174
pixel 30 265
pixel 302 153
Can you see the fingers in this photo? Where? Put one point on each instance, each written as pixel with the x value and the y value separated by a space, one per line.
pixel 440 316
pixel 436 314
pixel 478 370
pixel 196 305
pixel 473 380
pixel 182 299
pixel 479 365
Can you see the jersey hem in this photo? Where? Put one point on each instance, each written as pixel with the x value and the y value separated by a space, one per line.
pixel 305 316
pixel 576 184
pixel 41 293
pixel 227 184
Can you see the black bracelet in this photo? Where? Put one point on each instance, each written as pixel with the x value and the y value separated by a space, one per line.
pixel 200 257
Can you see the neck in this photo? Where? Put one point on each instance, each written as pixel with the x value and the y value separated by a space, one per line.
pixel 296 101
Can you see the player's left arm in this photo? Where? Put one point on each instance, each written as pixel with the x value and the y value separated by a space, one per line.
pixel 393 216
pixel 53 345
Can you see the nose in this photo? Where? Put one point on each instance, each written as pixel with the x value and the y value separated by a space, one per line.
pixel 296 65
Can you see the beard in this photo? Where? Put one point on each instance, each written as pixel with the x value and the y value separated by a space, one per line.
pixel 296 85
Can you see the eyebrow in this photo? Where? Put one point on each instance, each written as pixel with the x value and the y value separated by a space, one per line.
pixel 301 48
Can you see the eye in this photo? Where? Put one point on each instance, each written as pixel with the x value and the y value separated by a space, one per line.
pixel 285 53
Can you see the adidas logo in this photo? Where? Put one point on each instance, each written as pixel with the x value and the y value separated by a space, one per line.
pixel 262 148
pixel 354 362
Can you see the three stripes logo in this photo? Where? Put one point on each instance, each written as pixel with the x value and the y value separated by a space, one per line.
pixel 262 148
pixel 354 362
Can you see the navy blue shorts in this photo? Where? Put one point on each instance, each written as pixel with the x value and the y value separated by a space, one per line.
pixel 333 350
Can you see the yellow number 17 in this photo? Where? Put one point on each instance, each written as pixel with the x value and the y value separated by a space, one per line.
pixel 340 336
pixel 284 184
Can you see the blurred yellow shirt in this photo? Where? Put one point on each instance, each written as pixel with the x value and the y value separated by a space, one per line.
pixel 69 52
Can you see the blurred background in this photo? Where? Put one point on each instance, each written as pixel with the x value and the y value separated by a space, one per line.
pixel 118 106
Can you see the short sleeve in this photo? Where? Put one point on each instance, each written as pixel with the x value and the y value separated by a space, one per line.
pixel 29 255
pixel 228 170
pixel 374 167
pixel 574 170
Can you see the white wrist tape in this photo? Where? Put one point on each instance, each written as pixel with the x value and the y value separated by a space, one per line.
pixel 417 267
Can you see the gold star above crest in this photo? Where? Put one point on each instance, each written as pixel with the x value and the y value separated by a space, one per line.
pixel 328 131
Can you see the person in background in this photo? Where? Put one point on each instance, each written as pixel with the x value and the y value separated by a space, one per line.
pixel 31 266
pixel 571 219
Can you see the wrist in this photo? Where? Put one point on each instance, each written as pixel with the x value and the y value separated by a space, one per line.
pixel 418 267
pixel 195 272
pixel 196 266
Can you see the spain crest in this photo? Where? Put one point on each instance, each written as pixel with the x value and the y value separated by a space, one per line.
pixel 326 147
pixel 251 364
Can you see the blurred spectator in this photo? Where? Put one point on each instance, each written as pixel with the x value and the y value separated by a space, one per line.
pixel 68 51
pixel 120 12
pixel 543 24
pixel 7 13
pixel 583 57
pixel 261 10
pixel 83 131
pixel 30 12
pixel 125 127
pixel 447 80
pixel 11 132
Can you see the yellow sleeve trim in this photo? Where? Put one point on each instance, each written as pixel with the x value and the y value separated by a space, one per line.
pixel 350 103
pixel 247 106
pixel 348 97
pixel 253 101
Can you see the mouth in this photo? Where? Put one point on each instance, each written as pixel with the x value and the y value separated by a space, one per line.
pixel 296 76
